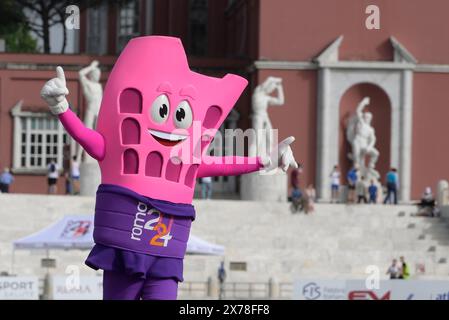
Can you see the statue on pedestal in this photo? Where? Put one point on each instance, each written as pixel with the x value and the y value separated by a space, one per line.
pixel 90 176
pixel 361 135
pixel 257 186
pixel 261 100
pixel 93 93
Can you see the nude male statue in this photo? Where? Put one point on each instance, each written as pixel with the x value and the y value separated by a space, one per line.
pixel 362 137
pixel 93 92
pixel 261 100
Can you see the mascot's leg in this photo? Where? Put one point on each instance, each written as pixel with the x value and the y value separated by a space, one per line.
pixel 119 286
pixel 160 289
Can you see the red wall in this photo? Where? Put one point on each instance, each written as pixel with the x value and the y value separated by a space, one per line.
pixel 301 29
pixel 297 117
pixel 430 151
pixel 16 84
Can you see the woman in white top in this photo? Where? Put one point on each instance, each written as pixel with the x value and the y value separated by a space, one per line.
pixel 75 175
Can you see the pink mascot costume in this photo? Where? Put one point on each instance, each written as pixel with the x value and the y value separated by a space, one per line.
pixel 154 109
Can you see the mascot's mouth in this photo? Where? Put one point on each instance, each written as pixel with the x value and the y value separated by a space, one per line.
pixel 167 139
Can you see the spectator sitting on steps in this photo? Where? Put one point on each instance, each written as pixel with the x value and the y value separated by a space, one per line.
pixel 427 206
pixel 393 270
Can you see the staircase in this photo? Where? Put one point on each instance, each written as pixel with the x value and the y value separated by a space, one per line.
pixel 336 241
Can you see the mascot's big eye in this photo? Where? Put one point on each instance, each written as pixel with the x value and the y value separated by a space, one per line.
pixel 183 115
pixel 160 109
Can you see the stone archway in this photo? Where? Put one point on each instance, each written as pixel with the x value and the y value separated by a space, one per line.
pixel 335 77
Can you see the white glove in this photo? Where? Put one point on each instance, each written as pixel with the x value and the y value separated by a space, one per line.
pixel 54 92
pixel 280 157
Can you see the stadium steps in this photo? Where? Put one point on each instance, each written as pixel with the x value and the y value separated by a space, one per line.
pixel 337 241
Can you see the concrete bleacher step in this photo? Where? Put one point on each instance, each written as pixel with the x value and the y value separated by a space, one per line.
pixel 336 241
pixel 343 238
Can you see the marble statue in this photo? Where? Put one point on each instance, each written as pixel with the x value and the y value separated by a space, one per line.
pixel 362 137
pixel 273 186
pixel 261 100
pixel 93 93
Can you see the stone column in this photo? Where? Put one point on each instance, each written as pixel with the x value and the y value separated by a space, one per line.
pixel 212 288
pixel 259 187
pixel 405 153
pixel 273 289
pixel 17 140
pixel 90 176
pixel 324 135
pixel 442 195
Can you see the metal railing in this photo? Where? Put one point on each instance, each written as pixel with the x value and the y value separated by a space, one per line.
pixel 211 289
pixel 246 290
pixel 285 290
pixel 197 289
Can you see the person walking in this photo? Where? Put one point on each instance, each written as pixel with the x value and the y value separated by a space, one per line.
pixel 6 179
pixel 392 186
pixel 53 175
pixel 335 184
pixel 372 191
pixel 393 270
pixel 75 174
pixel 221 279
pixel 352 178
pixel 360 189
pixel 68 183
pixel 206 187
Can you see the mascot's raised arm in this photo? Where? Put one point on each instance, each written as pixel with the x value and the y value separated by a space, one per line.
pixel 143 210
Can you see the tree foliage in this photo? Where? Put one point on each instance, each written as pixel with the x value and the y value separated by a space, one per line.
pixel 14 28
pixel 41 15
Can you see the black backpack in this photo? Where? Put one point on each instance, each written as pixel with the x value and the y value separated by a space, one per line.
pixel 52 167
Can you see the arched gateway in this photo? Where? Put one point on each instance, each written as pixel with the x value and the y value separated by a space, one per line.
pixel 335 77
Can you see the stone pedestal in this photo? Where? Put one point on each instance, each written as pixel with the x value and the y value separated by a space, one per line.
pixel 90 178
pixel 258 187
pixel 380 192
pixel 442 193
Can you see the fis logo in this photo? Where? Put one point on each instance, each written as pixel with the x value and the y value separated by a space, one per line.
pixel 311 291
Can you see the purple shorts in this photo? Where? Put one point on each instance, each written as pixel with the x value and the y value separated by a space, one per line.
pixel 138 235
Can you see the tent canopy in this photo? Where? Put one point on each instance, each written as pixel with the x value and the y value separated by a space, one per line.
pixel 76 232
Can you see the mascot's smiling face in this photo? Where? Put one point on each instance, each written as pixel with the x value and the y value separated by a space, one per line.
pixel 152 106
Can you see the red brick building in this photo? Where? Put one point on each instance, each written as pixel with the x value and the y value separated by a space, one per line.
pixel 322 49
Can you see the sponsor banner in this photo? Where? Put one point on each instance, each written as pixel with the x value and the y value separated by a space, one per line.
pixel 84 288
pixel 311 289
pixel 19 288
pixel 320 290
pixel 420 290
pixel 358 290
